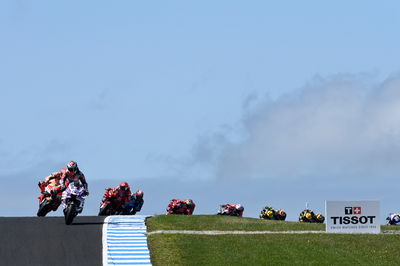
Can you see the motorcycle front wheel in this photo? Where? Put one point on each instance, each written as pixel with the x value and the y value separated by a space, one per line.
pixel 70 213
pixel 44 208
pixel 104 210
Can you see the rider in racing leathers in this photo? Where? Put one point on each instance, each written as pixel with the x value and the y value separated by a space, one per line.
pixel 136 203
pixel 190 206
pixel 123 194
pixel 231 209
pixel 393 219
pixel 69 175
pixel 177 206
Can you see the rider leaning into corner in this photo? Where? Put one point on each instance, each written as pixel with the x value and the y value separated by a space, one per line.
pixel 69 175
pixel 123 195
pixel 65 176
pixel 136 203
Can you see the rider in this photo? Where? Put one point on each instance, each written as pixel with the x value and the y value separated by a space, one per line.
pixel 136 203
pixel 190 206
pixel 280 215
pixel 57 182
pixel 123 195
pixel 307 216
pixel 319 218
pixel 177 206
pixel 73 174
pixel 393 219
pixel 67 175
pixel 231 209
pixel 239 210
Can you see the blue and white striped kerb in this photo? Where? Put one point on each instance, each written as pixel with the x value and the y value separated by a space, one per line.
pixel 125 241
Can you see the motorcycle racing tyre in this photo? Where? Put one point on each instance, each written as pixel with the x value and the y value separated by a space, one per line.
pixel 44 208
pixel 69 213
pixel 104 210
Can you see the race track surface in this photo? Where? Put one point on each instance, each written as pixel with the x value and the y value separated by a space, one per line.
pixel 48 241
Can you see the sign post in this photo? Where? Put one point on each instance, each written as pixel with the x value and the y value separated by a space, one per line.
pixel 352 217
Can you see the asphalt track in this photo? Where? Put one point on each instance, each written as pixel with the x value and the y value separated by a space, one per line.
pixel 48 241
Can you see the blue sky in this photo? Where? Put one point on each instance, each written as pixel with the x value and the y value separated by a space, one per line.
pixel 211 95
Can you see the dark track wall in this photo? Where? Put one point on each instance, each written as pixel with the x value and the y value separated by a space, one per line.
pixel 48 241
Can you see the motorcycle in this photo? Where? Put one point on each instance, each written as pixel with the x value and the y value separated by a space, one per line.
pixel 135 205
pixel 231 210
pixel 50 199
pixel 393 219
pixel 308 216
pixel 110 205
pixel 269 213
pixel 280 215
pixel 73 199
pixel 184 207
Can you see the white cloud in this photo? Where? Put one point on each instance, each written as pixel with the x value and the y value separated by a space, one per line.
pixel 345 126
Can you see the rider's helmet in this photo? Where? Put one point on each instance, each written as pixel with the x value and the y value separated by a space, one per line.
pixel 123 186
pixel 239 208
pixel 189 202
pixel 282 213
pixel 308 216
pixel 72 167
pixel 270 213
pixel 139 194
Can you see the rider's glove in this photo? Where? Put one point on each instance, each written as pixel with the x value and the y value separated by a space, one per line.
pixel 86 193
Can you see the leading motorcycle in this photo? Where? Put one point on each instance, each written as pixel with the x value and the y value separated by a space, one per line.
pixel 73 199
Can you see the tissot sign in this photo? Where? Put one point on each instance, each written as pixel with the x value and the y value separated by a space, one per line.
pixel 352 217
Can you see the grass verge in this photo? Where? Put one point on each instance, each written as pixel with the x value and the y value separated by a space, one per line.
pixel 275 249
pixel 280 249
pixel 227 223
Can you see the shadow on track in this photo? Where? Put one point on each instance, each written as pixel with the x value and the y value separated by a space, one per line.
pixel 86 223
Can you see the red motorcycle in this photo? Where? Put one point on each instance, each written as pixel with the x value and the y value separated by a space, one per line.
pixel 50 198
pixel 185 207
pixel 110 205
pixel 231 210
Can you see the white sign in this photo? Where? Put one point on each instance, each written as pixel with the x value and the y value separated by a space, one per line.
pixel 352 217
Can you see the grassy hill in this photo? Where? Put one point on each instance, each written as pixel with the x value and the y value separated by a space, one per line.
pixel 269 249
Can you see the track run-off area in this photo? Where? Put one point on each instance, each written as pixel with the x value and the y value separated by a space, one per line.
pixel 125 241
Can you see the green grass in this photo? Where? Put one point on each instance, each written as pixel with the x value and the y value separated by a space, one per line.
pixel 271 249
pixel 226 223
